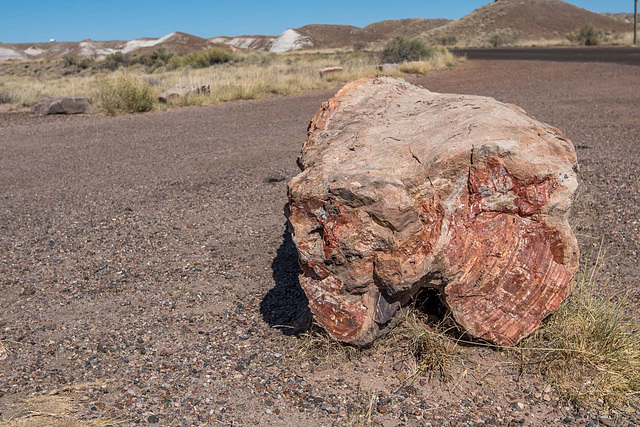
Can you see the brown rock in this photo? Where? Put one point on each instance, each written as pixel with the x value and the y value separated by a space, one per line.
pixel 402 189
pixel 62 105
pixel 330 70
pixel 184 89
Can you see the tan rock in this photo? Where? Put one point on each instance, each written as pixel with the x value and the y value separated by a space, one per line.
pixel 184 89
pixel 330 70
pixel 402 188
pixel 62 105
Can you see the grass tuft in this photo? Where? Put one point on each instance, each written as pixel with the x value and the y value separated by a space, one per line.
pixel 588 349
pixel 429 345
pixel 124 94
pixel 318 347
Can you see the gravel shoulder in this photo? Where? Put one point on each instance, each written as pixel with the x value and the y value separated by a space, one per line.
pixel 146 275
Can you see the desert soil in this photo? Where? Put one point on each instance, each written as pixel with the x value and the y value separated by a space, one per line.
pixel 146 276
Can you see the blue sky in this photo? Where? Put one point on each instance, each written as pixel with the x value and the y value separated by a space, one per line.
pixel 25 21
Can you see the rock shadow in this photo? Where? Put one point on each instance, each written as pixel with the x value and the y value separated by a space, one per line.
pixel 286 306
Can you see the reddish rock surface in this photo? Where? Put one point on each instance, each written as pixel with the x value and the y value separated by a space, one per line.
pixel 402 188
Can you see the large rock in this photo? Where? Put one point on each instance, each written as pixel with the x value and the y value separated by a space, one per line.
pixel 184 89
pixel 62 105
pixel 402 188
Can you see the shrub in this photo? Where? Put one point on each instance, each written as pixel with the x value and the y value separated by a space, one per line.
pixel 6 97
pixel 204 58
pixel 447 40
pixel 587 36
pixel 124 94
pixel 113 61
pixel 502 39
pixel 359 46
pixel 400 49
pixel 153 60
pixel 74 64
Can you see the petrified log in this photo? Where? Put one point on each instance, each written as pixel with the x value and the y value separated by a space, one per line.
pixel 402 188
pixel 184 89
pixel 330 70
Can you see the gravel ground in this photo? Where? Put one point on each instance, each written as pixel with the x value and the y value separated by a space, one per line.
pixel 146 276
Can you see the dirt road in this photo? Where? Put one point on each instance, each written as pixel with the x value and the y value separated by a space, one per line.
pixel 145 272
pixel 619 55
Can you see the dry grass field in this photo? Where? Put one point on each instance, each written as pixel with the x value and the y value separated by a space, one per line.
pixel 248 76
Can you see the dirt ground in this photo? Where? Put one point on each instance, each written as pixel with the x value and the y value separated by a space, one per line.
pixel 146 276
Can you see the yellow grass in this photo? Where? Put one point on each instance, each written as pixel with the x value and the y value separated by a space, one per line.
pixel 588 349
pixel 257 76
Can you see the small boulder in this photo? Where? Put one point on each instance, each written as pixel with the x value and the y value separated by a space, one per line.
pixel 389 68
pixel 62 105
pixel 184 89
pixel 330 70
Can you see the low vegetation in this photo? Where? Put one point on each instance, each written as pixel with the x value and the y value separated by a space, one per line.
pixel 124 94
pixel 124 83
pixel 587 36
pixel 588 349
pixel 400 49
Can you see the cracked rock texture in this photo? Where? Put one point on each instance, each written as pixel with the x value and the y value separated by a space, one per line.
pixel 402 188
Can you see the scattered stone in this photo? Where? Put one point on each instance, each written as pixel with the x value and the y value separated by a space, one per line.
pixel 607 421
pixel 402 188
pixel 389 68
pixel 153 419
pixel 330 70
pixel 184 89
pixel 62 105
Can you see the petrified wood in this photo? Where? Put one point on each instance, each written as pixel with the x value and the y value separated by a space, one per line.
pixel 402 188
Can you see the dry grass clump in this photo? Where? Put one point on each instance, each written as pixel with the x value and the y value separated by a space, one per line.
pixel 441 60
pixel 430 346
pixel 124 94
pixel 587 36
pixel 60 408
pixel 316 346
pixel 588 350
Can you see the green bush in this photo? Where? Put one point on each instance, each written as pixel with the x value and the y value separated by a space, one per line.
pixel 203 58
pixel 502 39
pixel 114 61
pixel 359 46
pixel 447 40
pixel 7 97
pixel 124 94
pixel 73 64
pixel 400 49
pixel 153 60
pixel 587 36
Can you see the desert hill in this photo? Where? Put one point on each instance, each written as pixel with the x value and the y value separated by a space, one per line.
pixel 405 27
pixel 624 17
pixel 522 20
